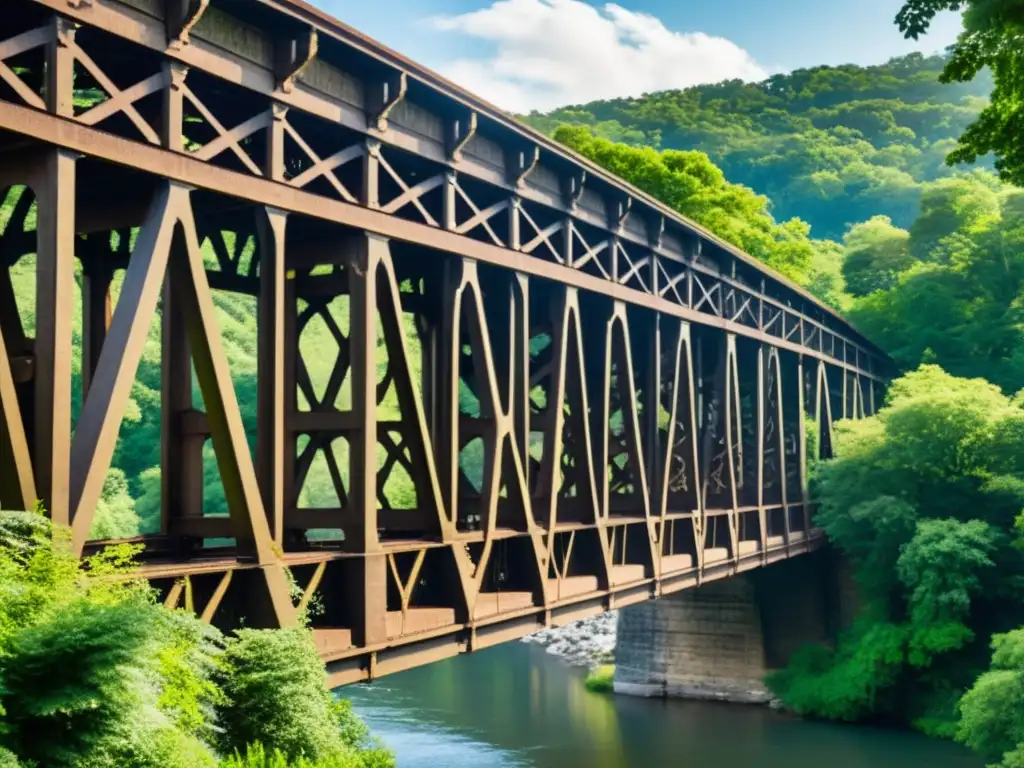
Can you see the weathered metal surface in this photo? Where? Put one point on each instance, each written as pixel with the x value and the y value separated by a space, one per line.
pixel 545 395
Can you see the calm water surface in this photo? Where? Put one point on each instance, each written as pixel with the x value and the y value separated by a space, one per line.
pixel 515 706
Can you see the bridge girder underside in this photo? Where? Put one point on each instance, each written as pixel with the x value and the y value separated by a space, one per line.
pixel 468 413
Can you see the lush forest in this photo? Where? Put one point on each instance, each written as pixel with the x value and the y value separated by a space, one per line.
pixel 832 145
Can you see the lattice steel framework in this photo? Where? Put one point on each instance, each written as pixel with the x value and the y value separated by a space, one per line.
pixel 549 395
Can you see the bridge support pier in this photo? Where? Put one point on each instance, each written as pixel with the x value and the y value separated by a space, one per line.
pixel 720 640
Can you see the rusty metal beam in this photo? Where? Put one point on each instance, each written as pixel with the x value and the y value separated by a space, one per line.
pixel 196 173
pixel 202 55
pixel 273 399
pixel 17 483
pixel 103 409
pixel 53 182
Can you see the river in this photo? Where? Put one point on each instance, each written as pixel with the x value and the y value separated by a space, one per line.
pixel 514 706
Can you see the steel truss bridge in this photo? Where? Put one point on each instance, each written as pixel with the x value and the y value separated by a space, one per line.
pixel 545 394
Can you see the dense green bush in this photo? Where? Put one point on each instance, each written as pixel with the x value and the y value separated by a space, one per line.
pixel 94 673
pixel 260 672
pixel 275 693
pixel 923 499
pixel 258 756
pixel 80 676
pixel 991 722
pixel 601 679
pixel 70 683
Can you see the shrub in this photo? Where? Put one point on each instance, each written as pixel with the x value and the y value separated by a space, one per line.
pixel 258 756
pixel 93 673
pixel 600 679
pixel 274 683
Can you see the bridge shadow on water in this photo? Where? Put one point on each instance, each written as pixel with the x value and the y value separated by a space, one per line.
pixel 515 706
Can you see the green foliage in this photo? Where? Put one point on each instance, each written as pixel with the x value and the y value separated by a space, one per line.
pixel 875 254
pixel 830 145
pixel 959 301
pixel 856 152
pixel 601 679
pixel 990 42
pixel 961 206
pixel 274 686
pixel 94 673
pixel 940 570
pixel 39 577
pixel 826 279
pixel 187 661
pixel 115 516
pixel 258 756
pixel 850 683
pixel 991 722
pixel 922 498
pixel 812 443
pixel 78 640
pixel 66 685
pixel 275 693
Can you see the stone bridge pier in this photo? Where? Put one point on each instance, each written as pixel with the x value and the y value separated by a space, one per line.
pixel 718 641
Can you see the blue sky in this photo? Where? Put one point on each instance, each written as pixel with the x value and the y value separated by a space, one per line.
pixel 524 54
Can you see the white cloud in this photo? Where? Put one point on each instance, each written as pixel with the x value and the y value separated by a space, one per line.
pixel 548 53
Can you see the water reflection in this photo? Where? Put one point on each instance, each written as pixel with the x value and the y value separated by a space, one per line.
pixel 514 706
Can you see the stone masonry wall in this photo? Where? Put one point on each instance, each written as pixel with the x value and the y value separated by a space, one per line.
pixel 700 643
pixel 718 641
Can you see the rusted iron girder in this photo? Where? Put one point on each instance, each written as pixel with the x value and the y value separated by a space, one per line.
pixel 635 393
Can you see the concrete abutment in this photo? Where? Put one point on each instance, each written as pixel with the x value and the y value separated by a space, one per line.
pixel 719 641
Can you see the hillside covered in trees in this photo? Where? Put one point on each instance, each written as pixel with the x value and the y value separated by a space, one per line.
pixel 830 145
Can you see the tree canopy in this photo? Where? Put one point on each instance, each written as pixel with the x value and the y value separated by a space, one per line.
pixel 924 499
pixel 832 146
pixel 990 42
pixel 951 289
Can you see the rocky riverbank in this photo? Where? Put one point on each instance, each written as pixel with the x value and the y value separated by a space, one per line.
pixel 583 643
